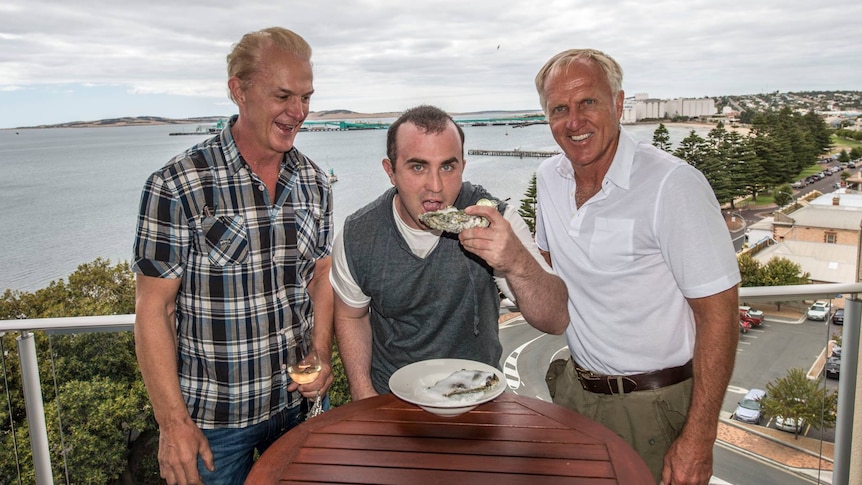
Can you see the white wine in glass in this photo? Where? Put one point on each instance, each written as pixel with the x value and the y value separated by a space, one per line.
pixel 308 367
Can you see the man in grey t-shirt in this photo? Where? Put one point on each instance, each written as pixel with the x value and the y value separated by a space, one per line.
pixel 405 292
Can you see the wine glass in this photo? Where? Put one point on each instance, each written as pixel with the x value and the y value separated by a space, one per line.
pixel 304 366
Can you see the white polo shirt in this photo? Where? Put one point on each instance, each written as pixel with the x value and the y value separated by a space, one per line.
pixel 631 255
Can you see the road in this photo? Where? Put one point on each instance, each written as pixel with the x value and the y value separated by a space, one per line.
pixel 763 354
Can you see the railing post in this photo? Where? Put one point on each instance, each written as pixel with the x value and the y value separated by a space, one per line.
pixel 35 408
pixel 847 391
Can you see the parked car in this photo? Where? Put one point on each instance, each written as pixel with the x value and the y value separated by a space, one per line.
pixel 833 366
pixel 750 315
pixel 748 409
pixel 744 326
pixel 789 424
pixel 818 311
pixel 838 317
pixel 798 184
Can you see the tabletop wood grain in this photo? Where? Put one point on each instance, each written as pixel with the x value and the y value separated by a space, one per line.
pixel 511 440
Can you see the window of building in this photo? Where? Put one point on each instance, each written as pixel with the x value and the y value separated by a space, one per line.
pixel 831 238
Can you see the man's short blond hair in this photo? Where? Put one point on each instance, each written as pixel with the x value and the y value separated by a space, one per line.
pixel 244 60
pixel 613 71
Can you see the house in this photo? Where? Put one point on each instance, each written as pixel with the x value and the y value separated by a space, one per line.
pixel 822 237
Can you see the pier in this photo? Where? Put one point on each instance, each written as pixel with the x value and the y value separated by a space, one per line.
pixel 513 153
pixel 343 125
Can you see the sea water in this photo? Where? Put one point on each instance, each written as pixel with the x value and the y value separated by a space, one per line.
pixel 70 195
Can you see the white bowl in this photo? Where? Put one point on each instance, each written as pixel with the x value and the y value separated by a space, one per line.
pixel 408 380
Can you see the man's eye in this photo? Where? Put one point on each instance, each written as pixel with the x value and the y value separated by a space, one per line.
pixel 447 168
pixel 416 168
pixel 559 109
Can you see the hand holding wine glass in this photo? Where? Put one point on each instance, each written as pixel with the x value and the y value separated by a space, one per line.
pixel 303 368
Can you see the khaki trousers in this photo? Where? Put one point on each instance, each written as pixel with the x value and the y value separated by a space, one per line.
pixel 648 420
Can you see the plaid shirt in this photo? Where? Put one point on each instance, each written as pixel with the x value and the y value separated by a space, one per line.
pixel 245 264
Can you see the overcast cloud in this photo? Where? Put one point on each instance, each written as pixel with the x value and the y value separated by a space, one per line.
pixel 71 60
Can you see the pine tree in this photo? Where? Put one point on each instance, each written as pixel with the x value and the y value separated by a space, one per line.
pixel 528 205
pixel 661 138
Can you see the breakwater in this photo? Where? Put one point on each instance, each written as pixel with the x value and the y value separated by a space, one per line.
pixel 514 153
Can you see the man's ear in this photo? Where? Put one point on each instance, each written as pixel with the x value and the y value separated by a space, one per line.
pixel 389 168
pixel 236 91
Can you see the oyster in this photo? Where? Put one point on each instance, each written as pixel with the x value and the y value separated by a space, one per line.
pixel 453 220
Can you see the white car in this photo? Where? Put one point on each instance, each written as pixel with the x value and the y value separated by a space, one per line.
pixel 789 424
pixel 818 311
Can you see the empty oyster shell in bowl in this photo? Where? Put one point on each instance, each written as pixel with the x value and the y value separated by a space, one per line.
pixel 447 387
pixel 454 220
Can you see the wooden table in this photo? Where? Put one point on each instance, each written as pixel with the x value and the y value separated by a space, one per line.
pixel 513 439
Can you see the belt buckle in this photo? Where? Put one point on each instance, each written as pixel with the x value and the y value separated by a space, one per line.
pixel 589 378
pixel 615 384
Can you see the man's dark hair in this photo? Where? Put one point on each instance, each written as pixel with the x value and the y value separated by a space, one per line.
pixel 429 119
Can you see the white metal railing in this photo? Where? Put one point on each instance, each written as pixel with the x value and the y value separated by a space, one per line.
pixel 845 448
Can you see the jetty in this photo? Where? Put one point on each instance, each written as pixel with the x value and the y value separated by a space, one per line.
pixel 514 153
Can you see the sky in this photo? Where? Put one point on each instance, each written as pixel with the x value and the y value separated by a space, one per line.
pixel 84 60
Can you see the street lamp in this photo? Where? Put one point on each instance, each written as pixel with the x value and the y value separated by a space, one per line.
pixel 741 231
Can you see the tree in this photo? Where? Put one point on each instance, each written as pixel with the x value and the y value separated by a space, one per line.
pixel 796 397
pixel 693 149
pixel 528 205
pixel 782 272
pixel 661 138
pixel 749 269
pixel 747 175
pixel 783 195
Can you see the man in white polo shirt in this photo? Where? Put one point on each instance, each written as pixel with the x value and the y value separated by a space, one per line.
pixel 638 237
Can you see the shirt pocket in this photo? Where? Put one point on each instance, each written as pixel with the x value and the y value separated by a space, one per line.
pixel 308 220
pixel 225 239
pixel 612 246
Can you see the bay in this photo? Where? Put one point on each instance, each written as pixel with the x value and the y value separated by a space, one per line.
pixel 70 195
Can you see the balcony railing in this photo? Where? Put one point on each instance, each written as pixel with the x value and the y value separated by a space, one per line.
pixel 847 462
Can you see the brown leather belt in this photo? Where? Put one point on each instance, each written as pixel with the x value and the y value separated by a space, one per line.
pixel 602 384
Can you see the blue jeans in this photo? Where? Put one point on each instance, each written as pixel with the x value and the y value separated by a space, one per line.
pixel 233 448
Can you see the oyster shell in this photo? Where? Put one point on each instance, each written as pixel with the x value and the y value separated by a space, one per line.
pixel 464 382
pixel 454 220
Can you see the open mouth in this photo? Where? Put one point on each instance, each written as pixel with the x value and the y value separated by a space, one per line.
pixel 285 128
pixel 431 205
pixel 580 137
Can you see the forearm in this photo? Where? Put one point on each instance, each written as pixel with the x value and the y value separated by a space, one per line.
pixel 320 290
pixel 541 297
pixel 353 333
pixel 156 349
pixel 714 356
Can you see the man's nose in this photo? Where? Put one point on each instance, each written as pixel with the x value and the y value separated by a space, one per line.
pixel 434 182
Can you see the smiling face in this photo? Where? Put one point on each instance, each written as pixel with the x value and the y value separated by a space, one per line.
pixel 427 172
pixel 273 103
pixel 584 114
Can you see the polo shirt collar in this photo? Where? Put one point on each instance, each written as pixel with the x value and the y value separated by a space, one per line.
pixel 619 173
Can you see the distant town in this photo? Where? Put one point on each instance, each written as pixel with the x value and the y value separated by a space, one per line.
pixel 838 108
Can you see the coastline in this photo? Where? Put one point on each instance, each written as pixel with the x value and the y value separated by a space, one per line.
pixel 335 115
